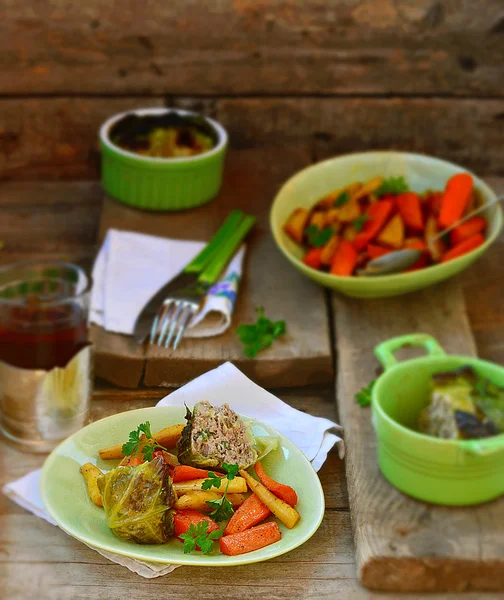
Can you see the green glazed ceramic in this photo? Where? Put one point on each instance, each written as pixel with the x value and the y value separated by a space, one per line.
pixel 161 183
pixel 65 496
pixel 421 173
pixel 450 472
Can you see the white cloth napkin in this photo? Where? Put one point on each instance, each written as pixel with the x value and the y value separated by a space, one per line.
pixel 131 267
pixel 224 384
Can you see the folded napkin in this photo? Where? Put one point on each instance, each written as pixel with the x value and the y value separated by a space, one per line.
pixel 131 267
pixel 226 383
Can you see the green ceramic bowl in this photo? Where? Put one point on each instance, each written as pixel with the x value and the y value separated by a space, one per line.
pixel 449 472
pixel 421 172
pixel 161 183
pixel 65 496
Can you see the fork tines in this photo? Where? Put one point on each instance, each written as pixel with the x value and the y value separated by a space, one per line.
pixel 171 322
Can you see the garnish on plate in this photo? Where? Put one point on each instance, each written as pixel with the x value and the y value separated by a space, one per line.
pixel 318 237
pixel 198 536
pixel 141 440
pixel 222 508
pixel 342 199
pixel 260 335
pixel 359 222
pixel 392 185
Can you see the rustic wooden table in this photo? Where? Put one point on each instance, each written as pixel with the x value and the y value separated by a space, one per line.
pixel 37 560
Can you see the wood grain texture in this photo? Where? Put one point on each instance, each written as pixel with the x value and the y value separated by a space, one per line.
pixel 57 138
pixel 249 47
pixel 403 544
pixel 251 179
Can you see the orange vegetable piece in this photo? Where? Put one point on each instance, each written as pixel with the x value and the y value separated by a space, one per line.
pixel 375 251
pixel 345 259
pixel 329 250
pixel 349 211
pixel 456 197
pixel 296 224
pixel 251 539
pixel 414 244
pixel 436 248
pixel 183 519
pixel 319 219
pixel 377 215
pixel 467 230
pixel 250 513
pixel 410 210
pixel 186 473
pixel 313 258
pixel 393 233
pixel 464 247
pixel 281 490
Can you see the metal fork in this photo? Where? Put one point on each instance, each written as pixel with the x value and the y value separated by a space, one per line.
pixel 177 310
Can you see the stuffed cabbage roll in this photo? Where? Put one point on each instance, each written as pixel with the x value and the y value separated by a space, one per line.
pixel 138 501
pixel 215 435
pixel 463 406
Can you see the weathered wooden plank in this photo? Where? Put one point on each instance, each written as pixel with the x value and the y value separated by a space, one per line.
pixel 55 138
pixel 45 217
pixel 303 356
pixel 484 295
pixel 338 126
pixel 402 544
pixel 242 47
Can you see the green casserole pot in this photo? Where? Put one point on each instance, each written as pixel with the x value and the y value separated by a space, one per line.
pixel 157 184
pixel 441 471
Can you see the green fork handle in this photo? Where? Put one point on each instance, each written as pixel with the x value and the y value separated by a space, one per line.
pixel 384 352
pixel 226 251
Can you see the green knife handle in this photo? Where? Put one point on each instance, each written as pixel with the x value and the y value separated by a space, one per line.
pixel 210 251
pixel 226 251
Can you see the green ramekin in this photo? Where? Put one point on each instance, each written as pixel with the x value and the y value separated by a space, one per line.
pixel 161 183
pixel 440 471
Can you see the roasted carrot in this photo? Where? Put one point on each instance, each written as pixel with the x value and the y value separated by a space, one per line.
pixel 313 258
pixel 344 259
pixel 183 519
pixel 282 491
pixel 455 199
pixel 377 215
pixel 414 244
pixel 251 539
pixel 186 473
pixel 467 230
pixel 410 209
pixel 375 251
pixel 464 247
pixel 250 513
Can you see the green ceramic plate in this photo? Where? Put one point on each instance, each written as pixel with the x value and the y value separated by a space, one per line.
pixel 65 496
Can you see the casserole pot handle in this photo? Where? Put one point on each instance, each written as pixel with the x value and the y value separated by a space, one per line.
pixel 384 352
pixel 486 446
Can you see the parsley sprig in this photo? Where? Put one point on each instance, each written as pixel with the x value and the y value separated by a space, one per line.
pixel 260 335
pixel 198 535
pixel 392 185
pixel 141 439
pixel 318 237
pixel 363 397
pixel 222 508
pixel 342 199
pixel 359 222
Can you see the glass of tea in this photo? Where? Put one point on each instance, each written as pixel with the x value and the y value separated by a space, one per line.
pixel 45 356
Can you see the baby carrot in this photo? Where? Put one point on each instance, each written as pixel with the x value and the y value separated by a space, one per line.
pixel 313 258
pixel 375 251
pixel 251 539
pixel 410 209
pixel 282 491
pixel 464 247
pixel 377 214
pixel 250 513
pixel 344 259
pixel 455 199
pixel 467 230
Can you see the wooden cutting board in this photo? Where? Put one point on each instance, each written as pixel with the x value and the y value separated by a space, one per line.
pixel 301 357
pixel 403 544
